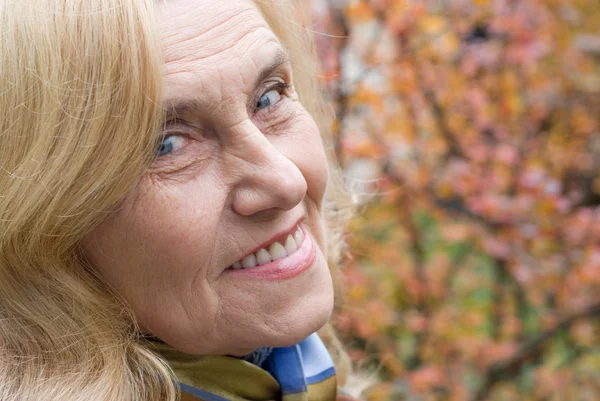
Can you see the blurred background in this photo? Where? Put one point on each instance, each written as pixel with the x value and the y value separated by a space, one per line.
pixel 469 131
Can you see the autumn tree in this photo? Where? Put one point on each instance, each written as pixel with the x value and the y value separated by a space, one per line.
pixel 470 132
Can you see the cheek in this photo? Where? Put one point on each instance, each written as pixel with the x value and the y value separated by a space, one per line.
pixel 154 244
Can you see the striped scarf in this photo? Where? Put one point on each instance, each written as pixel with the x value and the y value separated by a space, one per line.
pixel 302 372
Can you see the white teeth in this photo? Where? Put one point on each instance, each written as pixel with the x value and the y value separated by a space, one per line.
pixel 263 257
pixel 277 251
pixel 298 236
pixel 249 261
pixel 290 244
pixel 274 252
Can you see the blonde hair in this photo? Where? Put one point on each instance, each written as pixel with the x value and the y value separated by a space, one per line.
pixel 79 108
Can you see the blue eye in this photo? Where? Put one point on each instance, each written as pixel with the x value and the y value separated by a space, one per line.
pixel 168 144
pixel 268 99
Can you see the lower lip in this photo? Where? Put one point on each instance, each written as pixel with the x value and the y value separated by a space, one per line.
pixel 290 266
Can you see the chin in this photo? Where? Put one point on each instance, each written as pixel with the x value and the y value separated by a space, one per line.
pixel 305 317
pixel 293 335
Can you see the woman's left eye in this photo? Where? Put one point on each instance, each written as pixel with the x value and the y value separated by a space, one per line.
pixel 268 99
pixel 168 144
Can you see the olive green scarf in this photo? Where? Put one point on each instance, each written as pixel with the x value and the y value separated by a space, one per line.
pixel 302 372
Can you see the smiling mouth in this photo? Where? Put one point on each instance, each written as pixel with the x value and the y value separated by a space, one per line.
pixel 275 251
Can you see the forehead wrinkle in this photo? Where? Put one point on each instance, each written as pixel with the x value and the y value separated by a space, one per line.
pixel 208 41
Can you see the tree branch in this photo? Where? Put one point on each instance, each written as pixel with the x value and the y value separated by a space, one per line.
pixel 341 96
pixel 439 115
pixel 503 370
pixel 345 88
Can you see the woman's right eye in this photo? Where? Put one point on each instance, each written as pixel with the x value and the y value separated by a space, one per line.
pixel 169 143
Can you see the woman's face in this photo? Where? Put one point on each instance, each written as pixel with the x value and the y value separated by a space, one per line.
pixel 240 169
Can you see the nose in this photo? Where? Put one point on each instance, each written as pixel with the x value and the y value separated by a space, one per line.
pixel 265 179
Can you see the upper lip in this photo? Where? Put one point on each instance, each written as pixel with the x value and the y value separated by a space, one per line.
pixel 281 236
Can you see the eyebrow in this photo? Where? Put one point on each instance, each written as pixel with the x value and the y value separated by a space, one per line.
pixel 177 106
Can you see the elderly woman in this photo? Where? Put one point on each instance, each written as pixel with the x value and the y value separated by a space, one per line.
pixel 164 203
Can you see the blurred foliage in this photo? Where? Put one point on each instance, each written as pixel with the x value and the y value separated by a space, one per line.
pixel 470 132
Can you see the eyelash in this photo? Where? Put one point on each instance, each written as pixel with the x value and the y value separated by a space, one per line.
pixel 280 87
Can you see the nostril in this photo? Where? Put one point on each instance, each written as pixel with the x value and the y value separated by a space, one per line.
pixel 280 186
pixel 291 187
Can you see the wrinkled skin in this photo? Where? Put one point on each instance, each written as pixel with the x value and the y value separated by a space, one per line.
pixel 233 176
